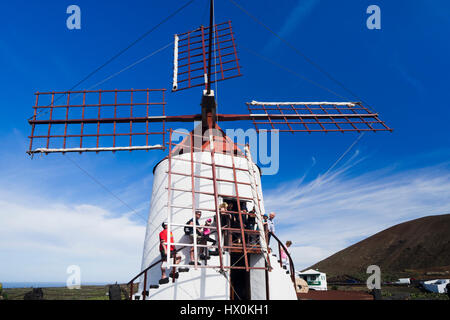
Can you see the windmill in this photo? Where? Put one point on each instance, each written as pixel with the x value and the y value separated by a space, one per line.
pixel 200 173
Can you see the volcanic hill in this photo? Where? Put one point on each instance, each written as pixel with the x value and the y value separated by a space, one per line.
pixel 417 247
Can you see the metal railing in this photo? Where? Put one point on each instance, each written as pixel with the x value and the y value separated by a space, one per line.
pixel 144 272
pixel 291 264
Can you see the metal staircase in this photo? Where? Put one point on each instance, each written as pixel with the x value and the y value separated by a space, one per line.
pixel 278 273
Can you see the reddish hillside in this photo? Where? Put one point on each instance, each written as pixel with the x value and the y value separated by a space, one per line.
pixel 421 244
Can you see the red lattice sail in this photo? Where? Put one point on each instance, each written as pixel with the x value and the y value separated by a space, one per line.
pixel 101 120
pixel 314 117
pixel 191 57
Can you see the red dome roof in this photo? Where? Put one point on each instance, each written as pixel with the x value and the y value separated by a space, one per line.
pixel 222 143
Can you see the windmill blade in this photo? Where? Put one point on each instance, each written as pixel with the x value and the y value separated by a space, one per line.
pixel 314 117
pixel 191 57
pixel 100 120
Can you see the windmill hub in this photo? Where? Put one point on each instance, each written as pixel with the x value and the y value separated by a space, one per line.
pixel 209 106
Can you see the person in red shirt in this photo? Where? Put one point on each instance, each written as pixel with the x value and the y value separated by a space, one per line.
pixel 163 251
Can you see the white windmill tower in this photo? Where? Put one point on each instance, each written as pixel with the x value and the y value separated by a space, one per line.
pixel 203 171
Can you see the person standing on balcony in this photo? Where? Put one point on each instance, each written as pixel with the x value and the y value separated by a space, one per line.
pixel 250 225
pixel 190 232
pixel 225 217
pixel 234 222
pixel 271 225
pixel 225 222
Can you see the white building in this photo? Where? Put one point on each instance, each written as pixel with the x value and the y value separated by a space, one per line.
pixel 437 286
pixel 206 283
pixel 403 281
pixel 316 280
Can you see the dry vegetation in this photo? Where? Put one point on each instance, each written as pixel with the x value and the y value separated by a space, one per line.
pixel 85 293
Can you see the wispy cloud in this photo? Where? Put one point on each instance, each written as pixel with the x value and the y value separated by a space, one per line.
pixel 39 241
pixel 332 212
pixel 412 81
pixel 47 224
pixel 300 12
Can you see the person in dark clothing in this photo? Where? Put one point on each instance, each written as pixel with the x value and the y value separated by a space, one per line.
pixel 225 220
pixel 250 225
pixel 234 223
pixel 224 215
pixel 233 219
pixel 190 231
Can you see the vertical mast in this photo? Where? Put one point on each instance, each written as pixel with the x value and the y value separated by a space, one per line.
pixel 211 27
pixel 208 100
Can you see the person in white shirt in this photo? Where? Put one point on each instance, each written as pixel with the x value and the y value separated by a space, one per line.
pixel 271 225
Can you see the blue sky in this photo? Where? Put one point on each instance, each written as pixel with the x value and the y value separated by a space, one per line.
pixel 52 215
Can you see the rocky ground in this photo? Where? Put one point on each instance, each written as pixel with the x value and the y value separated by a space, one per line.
pixel 354 292
pixel 85 293
pixel 393 292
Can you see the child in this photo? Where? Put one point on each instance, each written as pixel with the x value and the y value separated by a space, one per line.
pixel 284 257
pixel 207 232
pixel 206 238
